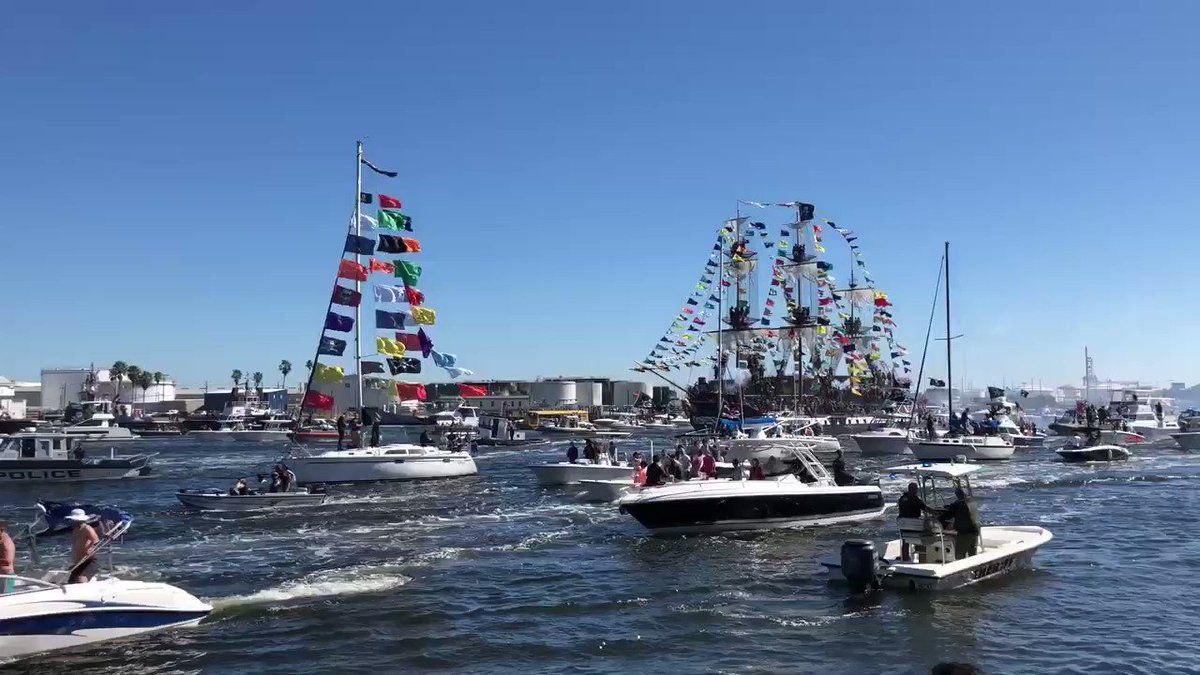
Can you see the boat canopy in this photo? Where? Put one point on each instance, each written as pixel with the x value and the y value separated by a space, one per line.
pixel 940 470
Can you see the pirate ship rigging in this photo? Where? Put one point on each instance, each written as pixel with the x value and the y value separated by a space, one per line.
pixel 812 347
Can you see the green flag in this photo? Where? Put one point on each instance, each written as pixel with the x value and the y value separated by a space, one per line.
pixel 407 271
pixel 394 220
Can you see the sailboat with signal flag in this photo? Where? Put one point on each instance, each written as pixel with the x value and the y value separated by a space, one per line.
pixel 375 249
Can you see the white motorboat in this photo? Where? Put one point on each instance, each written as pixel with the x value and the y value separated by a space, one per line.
pixel 886 441
pixel 593 490
pixel 268 431
pixel 618 421
pixel 395 461
pixel 581 430
pixel 1140 416
pixel 949 447
pixel 223 500
pixel 1120 437
pixel 1100 452
pixel 935 564
pixel 56 457
pixel 566 473
pixel 39 615
pixel 99 429
pixel 723 505
pixel 775 445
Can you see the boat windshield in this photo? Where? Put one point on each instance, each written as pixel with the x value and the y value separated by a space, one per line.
pixel 938 491
pixel 17 584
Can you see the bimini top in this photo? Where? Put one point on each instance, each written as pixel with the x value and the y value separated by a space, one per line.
pixel 941 469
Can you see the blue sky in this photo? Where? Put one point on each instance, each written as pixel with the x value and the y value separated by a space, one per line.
pixel 176 179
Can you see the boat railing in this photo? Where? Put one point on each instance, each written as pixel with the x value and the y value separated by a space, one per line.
pixel 14 584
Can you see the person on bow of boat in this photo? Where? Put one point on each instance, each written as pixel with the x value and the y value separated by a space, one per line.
pixel 8 557
pixel 840 475
pixel 85 541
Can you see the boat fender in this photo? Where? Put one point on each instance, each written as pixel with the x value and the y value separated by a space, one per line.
pixel 859 565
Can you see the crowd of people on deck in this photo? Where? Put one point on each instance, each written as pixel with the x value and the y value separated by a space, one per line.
pixel 699 462
pixel 350 429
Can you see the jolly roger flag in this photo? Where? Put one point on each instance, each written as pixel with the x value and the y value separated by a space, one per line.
pixel 805 210
pixel 404 365
pixel 365 197
pixel 331 346
pixel 936 383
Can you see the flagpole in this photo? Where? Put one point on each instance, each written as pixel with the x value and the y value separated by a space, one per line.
pixel 358 398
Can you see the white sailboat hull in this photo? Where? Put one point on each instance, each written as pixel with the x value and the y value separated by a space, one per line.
pixel 974 448
pixel 385 463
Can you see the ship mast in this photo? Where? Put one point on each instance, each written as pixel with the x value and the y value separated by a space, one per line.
pixel 358 394
pixel 949 339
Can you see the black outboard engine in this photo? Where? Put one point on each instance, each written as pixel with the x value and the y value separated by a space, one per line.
pixel 859 565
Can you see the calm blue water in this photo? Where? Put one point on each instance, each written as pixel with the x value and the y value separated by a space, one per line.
pixel 491 573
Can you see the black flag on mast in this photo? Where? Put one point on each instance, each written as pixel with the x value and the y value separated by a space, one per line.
pixel 389 174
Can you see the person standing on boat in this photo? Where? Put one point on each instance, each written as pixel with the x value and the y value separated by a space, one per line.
pixel 1158 412
pixel 708 465
pixel 655 475
pixel 572 453
pixel 341 429
pixel 929 432
pixel 85 541
pixel 756 470
pixel 966 524
pixel 8 557
pixel 910 505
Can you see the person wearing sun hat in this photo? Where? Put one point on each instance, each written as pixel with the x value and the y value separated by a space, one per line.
pixel 84 565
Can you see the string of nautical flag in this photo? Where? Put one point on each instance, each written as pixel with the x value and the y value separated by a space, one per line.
pixel 381 235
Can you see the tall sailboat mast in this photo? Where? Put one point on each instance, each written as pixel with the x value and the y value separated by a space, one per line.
pixel 358 376
pixel 720 335
pixel 798 385
pixel 949 339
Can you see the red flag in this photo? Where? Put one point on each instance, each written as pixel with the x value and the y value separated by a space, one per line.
pixel 415 297
pixel 348 269
pixel 315 399
pixel 382 266
pixel 411 341
pixel 386 202
pixel 410 391
pixel 411 245
pixel 472 390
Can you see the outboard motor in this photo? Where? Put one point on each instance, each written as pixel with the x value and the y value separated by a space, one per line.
pixel 859 565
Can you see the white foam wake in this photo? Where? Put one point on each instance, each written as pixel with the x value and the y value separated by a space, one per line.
pixel 347 581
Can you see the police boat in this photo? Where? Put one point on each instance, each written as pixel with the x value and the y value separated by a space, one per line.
pixel 935 563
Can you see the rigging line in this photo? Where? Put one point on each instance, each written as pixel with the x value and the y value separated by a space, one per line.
pixel 928 329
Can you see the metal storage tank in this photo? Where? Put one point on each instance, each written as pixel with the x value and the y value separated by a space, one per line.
pixel 626 392
pixel 588 394
pixel 552 393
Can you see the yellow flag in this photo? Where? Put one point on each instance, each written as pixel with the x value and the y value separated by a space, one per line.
pixel 328 374
pixel 389 346
pixel 424 315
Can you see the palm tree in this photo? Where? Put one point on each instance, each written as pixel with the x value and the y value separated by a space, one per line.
pixel 134 374
pixel 285 367
pixel 159 378
pixel 258 377
pixel 145 380
pixel 237 377
pixel 308 364
pixel 117 373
